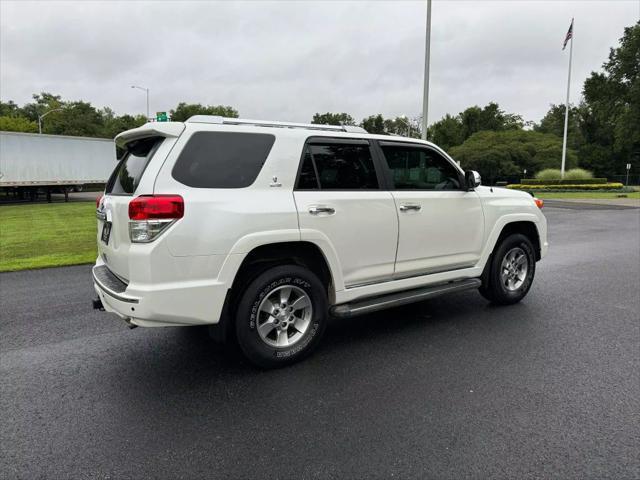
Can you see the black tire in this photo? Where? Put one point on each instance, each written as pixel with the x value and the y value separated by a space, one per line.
pixel 249 317
pixel 493 288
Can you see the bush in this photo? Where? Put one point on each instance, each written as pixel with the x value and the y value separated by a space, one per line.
pixel 584 181
pixel 567 187
pixel 577 174
pixel 498 155
pixel 18 124
pixel 549 174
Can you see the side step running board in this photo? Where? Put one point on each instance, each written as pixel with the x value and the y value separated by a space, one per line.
pixel 374 304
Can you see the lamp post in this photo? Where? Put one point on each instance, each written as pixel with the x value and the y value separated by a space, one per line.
pixel 405 120
pixel 146 90
pixel 40 117
pixel 427 54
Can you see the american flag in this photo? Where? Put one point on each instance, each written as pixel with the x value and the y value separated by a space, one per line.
pixel 569 35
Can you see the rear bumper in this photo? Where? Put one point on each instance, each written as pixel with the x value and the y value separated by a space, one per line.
pixel 174 304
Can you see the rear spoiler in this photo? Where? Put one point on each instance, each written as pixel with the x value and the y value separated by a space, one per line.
pixel 151 129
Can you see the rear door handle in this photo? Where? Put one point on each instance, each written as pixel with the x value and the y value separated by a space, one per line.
pixel 321 210
pixel 410 207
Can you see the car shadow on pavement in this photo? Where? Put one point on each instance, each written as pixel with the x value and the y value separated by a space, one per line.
pixel 175 360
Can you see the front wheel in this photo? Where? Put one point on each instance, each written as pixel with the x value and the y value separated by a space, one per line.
pixel 281 316
pixel 510 271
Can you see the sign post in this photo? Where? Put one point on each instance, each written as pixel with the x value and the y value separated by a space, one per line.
pixel 162 117
pixel 628 168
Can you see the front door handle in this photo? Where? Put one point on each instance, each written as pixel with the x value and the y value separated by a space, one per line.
pixel 319 210
pixel 410 207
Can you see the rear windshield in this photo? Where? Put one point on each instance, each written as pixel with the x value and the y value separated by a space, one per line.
pixel 125 178
pixel 222 159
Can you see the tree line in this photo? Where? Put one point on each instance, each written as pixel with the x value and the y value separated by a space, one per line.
pixel 603 128
pixel 603 131
pixel 78 118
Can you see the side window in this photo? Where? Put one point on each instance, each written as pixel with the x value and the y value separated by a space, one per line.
pixel 418 168
pixel 337 166
pixel 308 179
pixel 222 159
pixel 127 175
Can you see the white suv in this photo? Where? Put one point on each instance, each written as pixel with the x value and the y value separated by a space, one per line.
pixel 264 229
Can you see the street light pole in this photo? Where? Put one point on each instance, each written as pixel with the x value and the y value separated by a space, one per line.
pixel 40 117
pixel 427 54
pixel 405 120
pixel 144 89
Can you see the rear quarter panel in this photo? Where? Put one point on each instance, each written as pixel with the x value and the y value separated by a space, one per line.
pixel 221 221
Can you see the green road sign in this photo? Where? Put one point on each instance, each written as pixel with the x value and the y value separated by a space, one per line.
pixel 162 117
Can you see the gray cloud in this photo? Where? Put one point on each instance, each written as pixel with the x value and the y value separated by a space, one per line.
pixel 287 60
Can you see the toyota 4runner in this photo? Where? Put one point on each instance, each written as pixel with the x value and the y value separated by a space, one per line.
pixel 265 229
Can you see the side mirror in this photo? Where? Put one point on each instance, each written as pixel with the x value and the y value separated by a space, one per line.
pixel 472 179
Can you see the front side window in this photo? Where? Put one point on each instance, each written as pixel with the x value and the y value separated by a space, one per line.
pixel 222 159
pixel 337 166
pixel 419 168
pixel 125 178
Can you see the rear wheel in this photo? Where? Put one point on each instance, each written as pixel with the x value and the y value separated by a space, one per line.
pixel 281 316
pixel 510 271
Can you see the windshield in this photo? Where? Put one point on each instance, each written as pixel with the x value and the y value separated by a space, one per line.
pixel 127 174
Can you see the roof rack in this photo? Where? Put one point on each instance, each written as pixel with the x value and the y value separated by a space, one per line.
pixel 269 123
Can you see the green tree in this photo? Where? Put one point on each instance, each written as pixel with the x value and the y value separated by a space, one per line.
pixel 333 119
pixel 612 101
pixel 374 124
pixel 553 122
pixel 447 132
pixel 491 117
pixel 75 118
pixel 404 126
pixel 17 124
pixel 185 110
pixel 113 124
pixel 450 131
pixel 9 109
pixel 507 153
pixel 44 102
pixel 78 119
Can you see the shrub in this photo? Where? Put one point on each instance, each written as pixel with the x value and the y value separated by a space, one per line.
pixel 577 174
pixel 567 187
pixel 583 181
pixel 549 174
pixel 17 124
pixel 497 155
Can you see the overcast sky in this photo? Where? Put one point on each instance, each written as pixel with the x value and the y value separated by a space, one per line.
pixel 287 60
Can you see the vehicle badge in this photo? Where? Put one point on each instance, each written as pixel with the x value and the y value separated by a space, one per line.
pixel 275 182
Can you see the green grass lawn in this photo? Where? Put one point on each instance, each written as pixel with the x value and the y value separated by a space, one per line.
pixel 47 235
pixel 595 195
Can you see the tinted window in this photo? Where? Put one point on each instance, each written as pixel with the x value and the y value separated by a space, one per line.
pixel 125 178
pixel 222 159
pixel 336 166
pixel 308 179
pixel 416 168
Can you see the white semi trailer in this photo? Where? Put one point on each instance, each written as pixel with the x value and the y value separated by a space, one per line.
pixel 31 163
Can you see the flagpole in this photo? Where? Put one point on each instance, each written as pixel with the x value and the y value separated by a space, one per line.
pixel 427 53
pixel 566 110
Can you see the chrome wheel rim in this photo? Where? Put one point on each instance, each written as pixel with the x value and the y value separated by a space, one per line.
pixel 515 266
pixel 284 316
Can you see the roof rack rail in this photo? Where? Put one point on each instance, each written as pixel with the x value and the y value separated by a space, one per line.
pixel 269 123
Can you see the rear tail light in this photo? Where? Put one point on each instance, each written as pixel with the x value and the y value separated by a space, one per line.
pixel 539 202
pixel 99 200
pixel 150 215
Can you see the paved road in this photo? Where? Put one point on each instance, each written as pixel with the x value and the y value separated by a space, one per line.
pixel 593 203
pixel 452 388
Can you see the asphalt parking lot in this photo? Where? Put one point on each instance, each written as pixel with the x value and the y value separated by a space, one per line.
pixel 451 388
